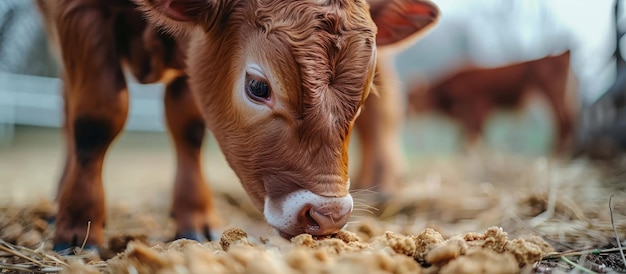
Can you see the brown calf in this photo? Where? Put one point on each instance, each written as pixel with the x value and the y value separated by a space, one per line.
pixel 469 95
pixel 279 83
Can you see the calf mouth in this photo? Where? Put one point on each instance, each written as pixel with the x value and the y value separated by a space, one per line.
pixel 306 212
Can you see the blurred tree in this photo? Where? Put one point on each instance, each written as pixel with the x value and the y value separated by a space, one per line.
pixel 602 129
pixel 619 32
pixel 23 45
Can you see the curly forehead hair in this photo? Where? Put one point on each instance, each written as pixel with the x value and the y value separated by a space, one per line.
pixel 333 45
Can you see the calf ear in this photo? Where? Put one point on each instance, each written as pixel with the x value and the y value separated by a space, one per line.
pixel 399 20
pixel 176 16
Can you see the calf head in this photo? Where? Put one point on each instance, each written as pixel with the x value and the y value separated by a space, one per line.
pixel 280 84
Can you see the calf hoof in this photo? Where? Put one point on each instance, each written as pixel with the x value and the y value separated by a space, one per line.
pixel 198 236
pixel 73 249
pixel 51 219
pixel 72 240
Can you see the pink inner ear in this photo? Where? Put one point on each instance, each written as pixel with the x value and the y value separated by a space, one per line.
pixel 400 19
pixel 181 10
pixel 420 10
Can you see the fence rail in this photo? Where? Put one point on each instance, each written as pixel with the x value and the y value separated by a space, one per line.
pixel 37 101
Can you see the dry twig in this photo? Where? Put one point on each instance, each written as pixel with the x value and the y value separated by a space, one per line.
pixel 86 237
pixel 577 266
pixel 619 243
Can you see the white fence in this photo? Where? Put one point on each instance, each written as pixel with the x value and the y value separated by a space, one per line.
pixel 37 101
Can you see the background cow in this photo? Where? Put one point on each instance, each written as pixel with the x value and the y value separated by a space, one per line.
pixel 471 94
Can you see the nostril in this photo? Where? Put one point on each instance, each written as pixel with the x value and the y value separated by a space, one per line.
pixel 323 222
pixel 311 223
pixel 307 220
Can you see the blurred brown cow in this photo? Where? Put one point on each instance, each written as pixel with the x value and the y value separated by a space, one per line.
pixel 469 95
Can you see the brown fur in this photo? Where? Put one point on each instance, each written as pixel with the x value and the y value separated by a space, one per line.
pixel 318 57
pixel 469 95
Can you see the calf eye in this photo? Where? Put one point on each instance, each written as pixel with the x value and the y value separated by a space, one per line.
pixel 257 89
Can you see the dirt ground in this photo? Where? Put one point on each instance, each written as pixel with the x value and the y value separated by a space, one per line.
pixel 481 212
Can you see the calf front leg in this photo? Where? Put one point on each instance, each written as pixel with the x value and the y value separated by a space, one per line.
pixel 192 204
pixel 96 106
pixel 380 128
